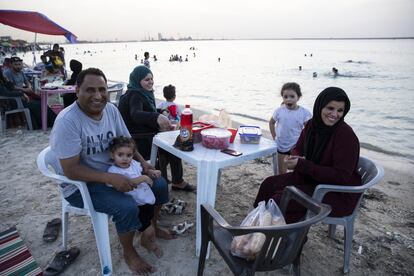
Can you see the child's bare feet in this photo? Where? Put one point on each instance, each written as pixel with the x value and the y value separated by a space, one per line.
pixel 137 264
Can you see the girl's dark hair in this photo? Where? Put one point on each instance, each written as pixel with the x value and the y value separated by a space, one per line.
pixel 119 142
pixel 292 86
pixel 169 92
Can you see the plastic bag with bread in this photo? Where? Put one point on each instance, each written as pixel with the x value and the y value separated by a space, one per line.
pixel 248 246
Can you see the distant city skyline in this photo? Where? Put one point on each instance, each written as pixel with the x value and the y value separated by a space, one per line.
pixel 124 20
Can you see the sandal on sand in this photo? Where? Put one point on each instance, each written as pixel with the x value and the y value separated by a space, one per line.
pixel 179 207
pixel 174 207
pixel 61 261
pixel 180 228
pixel 52 230
pixel 187 187
pixel 169 209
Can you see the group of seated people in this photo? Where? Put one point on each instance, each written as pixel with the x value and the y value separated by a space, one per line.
pixel 327 152
pixel 14 83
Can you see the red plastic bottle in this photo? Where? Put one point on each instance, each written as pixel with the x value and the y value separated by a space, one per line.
pixel 186 127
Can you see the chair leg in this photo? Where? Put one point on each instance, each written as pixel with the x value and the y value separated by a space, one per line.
pixel 202 258
pixel 28 119
pixel 331 231
pixel 348 234
pixel 101 231
pixel 65 226
pixel 3 123
pixel 296 266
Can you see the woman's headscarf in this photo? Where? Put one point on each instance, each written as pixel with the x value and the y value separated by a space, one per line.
pixel 135 78
pixel 319 134
pixel 75 66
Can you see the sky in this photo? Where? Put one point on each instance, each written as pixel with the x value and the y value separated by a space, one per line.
pixel 99 20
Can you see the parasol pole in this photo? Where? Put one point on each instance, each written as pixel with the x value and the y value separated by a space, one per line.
pixel 34 50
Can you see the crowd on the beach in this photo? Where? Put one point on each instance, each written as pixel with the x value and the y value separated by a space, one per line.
pixel 107 146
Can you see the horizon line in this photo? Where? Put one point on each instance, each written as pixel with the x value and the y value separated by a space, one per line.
pixel 221 39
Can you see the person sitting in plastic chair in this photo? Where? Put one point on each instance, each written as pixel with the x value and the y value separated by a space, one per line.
pixel 80 139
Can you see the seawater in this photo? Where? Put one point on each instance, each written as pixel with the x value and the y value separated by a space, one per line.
pixel 378 76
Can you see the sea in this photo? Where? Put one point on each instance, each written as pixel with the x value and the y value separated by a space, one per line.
pixel 244 77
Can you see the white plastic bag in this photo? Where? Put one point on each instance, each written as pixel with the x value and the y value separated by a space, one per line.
pixel 248 246
pixel 223 120
pixel 277 216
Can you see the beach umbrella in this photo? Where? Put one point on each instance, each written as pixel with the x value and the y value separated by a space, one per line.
pixel 34 22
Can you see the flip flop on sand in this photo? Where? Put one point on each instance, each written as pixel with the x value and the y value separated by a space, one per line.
pixel 174 207
pixel 179 207
pixel 61 261
pixel 186 188
pixel 52 230
pixel 180 228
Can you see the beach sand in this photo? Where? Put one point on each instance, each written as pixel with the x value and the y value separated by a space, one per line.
pixel 383 230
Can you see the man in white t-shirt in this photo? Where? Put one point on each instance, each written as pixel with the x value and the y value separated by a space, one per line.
pixel 80 140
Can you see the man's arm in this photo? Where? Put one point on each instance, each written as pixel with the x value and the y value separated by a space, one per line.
pixel 73 169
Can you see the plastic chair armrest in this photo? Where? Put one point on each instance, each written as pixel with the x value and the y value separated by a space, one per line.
pixel 216 216
pixel 323 189
pixel 81 185
pixel 18 101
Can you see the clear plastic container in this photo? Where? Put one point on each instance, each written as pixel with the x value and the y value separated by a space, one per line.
pixel 250 134
pixel 216 138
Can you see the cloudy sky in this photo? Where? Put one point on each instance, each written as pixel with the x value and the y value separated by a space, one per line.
pixel 137 19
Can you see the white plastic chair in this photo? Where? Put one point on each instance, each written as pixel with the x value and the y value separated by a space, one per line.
pixel 371 173
pixel 116 89
pixel 47 158
pixel 20 108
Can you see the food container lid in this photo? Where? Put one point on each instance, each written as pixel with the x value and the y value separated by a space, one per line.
pixel 216 132
pixel 199 126
pixel 250 130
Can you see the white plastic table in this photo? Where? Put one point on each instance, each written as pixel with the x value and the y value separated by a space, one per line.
pixel 209 162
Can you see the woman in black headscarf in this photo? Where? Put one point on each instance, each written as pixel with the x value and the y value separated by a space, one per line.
pixel 138 109
pixel 76 68
pixel 327 152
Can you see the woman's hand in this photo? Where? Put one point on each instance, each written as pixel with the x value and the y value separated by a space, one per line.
pixel 164 123
pixel 291 161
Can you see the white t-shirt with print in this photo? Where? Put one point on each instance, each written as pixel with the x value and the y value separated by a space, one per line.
pixel 74 133
pixel 289 124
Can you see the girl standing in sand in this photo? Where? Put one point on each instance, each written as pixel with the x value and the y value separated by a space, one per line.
pixel 287 122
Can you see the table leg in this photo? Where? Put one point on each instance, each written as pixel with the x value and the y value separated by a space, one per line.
pixel 207 177
pixel 275 164
pixel 43 109
pixel 154 151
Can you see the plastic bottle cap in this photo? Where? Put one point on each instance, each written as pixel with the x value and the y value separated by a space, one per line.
pixel 187 106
